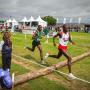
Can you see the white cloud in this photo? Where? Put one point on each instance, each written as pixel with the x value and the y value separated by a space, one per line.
pixel 67 8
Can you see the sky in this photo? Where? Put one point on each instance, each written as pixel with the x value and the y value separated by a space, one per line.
pixel 57 8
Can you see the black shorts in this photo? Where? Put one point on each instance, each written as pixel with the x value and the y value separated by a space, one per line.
pixel 36 43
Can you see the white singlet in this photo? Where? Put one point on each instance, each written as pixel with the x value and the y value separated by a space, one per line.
pixel 63 40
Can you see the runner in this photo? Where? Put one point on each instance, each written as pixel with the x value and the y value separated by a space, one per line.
pixel 64 38
pixel 46 32
pixel 36 42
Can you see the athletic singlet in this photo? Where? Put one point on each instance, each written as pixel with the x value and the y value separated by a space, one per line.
pixel 38 36
pixel 63 40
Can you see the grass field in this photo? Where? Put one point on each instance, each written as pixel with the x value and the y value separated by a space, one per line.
pixel 53 81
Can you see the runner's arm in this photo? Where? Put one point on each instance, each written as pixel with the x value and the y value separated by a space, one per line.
pixel 70 40
pixel 58 34
pixel 34 35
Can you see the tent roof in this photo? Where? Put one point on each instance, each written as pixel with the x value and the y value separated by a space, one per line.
pixel 39 19
pixel 9 20
pixel 14 20
pixel 31 19
pixel 24 19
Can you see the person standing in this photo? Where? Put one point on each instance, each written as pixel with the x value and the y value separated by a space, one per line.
pixel 6 51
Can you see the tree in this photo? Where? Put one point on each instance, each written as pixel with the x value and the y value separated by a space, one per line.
pixel 50 20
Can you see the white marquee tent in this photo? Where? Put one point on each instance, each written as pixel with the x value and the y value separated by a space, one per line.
pixel 11 23
pixel 41 22
pixel 24 20
pixel 8 22
pixel 31 19
pixel 14 22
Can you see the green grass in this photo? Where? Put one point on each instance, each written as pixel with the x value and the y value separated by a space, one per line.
pixel 80 69
pixel 41 84
pixel 16 68
pixel 81 39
